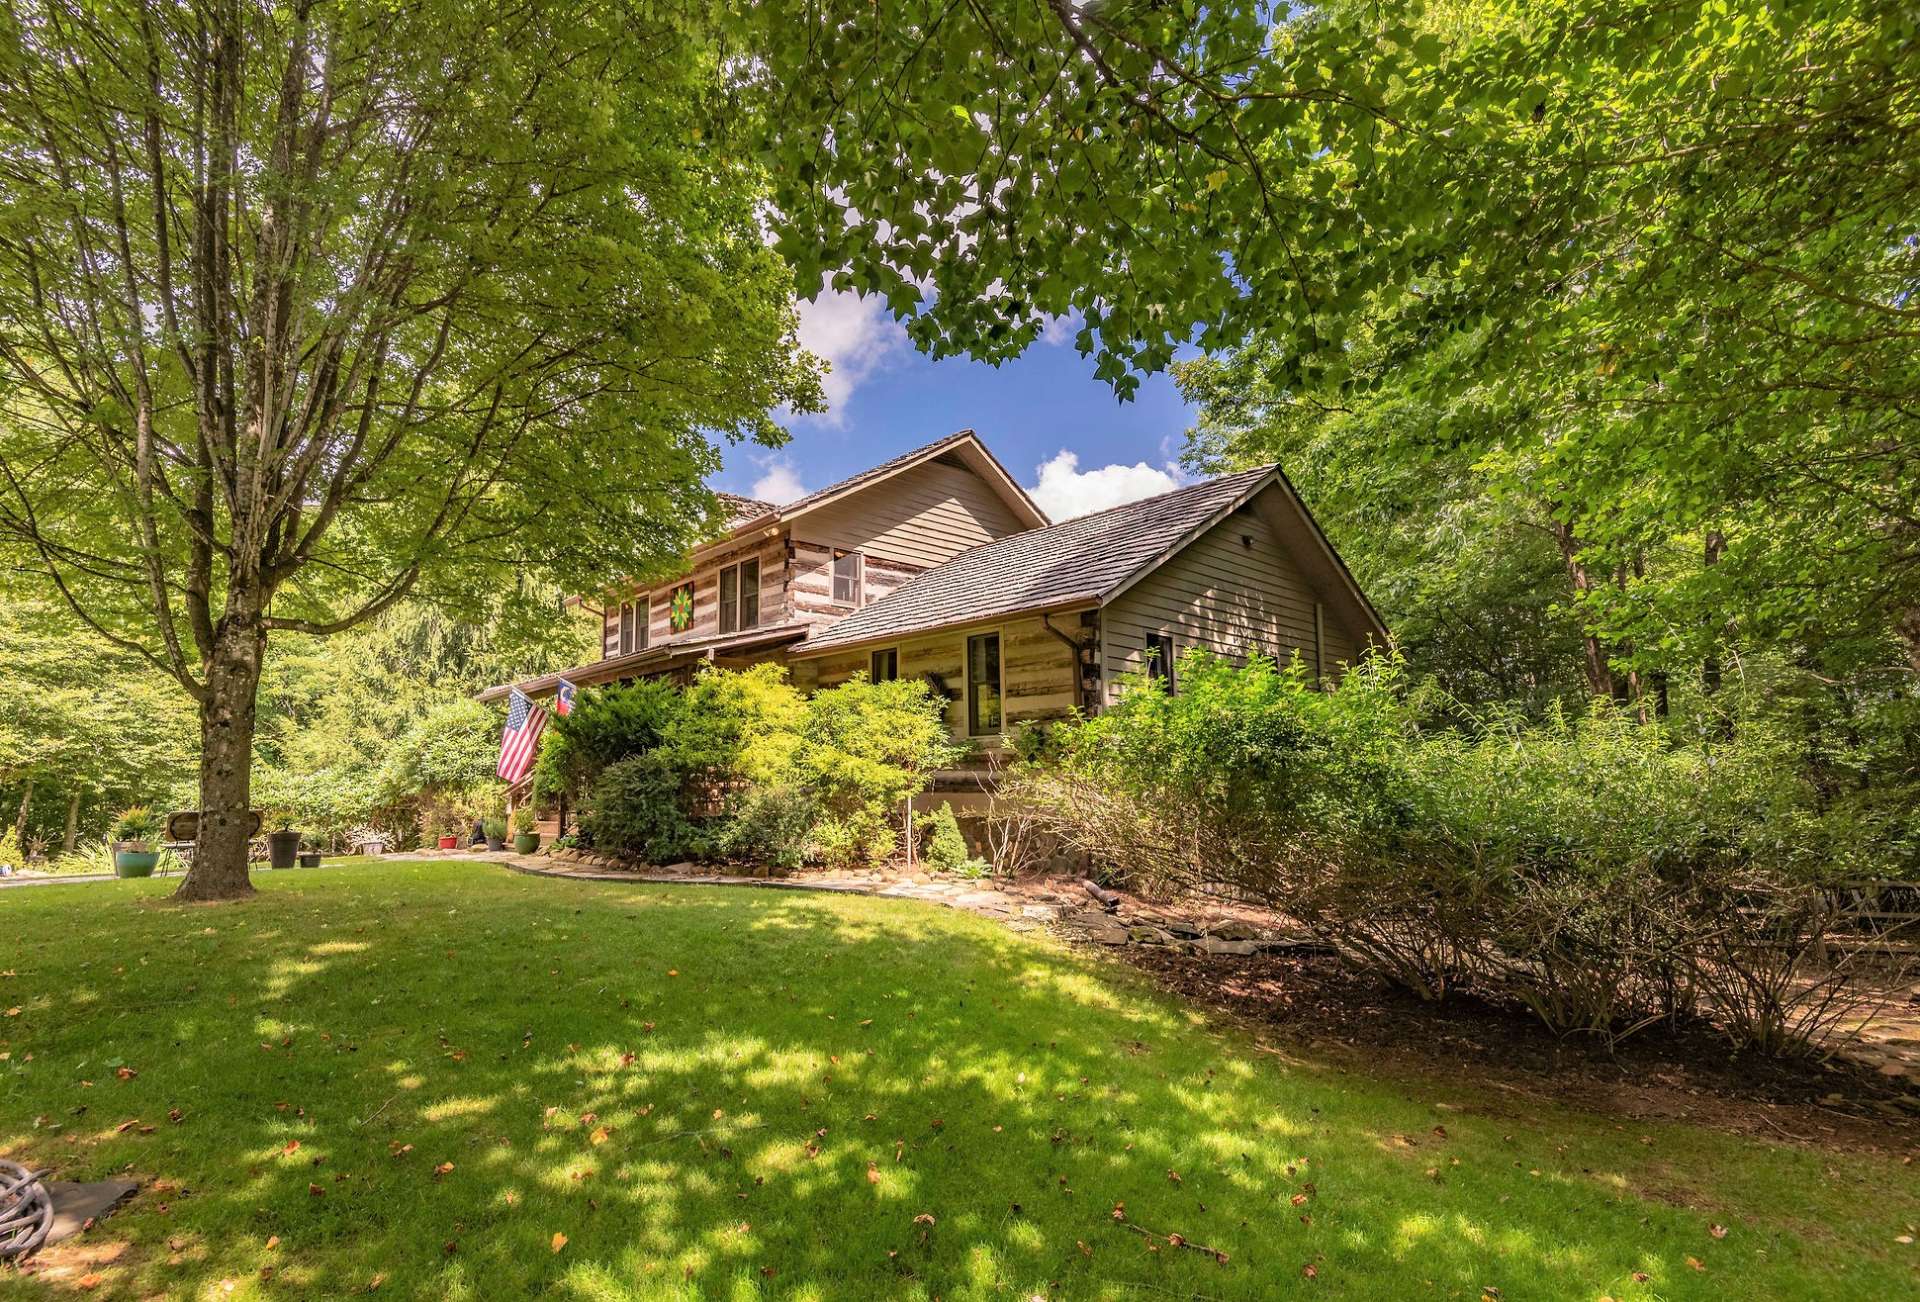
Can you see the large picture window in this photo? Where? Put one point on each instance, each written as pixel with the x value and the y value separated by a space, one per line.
pixel 983 684
pixel 846 578
pixel 740 596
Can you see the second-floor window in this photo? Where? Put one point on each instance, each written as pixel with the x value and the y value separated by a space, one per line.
pixel 627 621
pixel 846 578
pixel 740 596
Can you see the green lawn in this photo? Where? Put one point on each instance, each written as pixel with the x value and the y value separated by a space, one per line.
pixel 422 1073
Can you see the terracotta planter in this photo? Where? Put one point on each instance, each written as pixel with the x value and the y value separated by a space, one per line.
pixel 449 843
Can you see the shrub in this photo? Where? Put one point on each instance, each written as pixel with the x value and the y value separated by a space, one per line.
pixel 606 724
pixel 775 824
pixel 946 848
pixel 635 808
pixel 10 852
pixel 1604 873
pixel 138 823
pixel 864 749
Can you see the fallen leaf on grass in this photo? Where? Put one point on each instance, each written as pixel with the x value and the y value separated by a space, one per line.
pixel 873 1174
pixel 559 1240
pixel 292 1147
pixel 1308 1272
pixel 273 1241
pixel 125 1126
pixel 1717 1231
pixel 1696 1263
pixel 601 1135
pixel 315 1190
pixel 443 1168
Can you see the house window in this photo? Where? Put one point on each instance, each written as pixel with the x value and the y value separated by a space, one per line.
pixel 983 684
pixel 1160 658
pixel 640 607
pixel 626 627
pixel 846 578
pixel 740 596
pixel 886 665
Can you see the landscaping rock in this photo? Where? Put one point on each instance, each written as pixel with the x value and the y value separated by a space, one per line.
pixel 1147 936
pixel 1233 929
pixel 1218 947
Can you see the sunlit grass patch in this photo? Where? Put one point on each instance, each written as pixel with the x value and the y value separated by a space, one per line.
pixel 496 1085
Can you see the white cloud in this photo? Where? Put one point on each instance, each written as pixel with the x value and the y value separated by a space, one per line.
pixel 856 336
pixel 779 483
pixel 1065 490
pixel 1058 330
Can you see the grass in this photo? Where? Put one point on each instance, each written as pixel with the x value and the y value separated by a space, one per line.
pixel 424 1074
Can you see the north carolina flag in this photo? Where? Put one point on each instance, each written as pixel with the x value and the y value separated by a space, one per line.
pixel 522 737
pixel 563 700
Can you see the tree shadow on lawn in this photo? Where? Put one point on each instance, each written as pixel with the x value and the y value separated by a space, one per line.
pixel 470 1084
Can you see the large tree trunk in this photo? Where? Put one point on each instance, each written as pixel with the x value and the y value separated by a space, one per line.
pixel 73 821
pixel 219 869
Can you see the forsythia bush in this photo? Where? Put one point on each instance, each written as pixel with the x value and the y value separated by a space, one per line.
pixel 740 765
pixel 1603 872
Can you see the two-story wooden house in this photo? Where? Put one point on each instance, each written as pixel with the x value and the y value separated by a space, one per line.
pixel 936 565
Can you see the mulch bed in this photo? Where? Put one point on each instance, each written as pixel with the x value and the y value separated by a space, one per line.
pixel 1492 1054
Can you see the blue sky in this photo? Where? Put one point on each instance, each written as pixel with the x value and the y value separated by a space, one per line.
pixel 1043 410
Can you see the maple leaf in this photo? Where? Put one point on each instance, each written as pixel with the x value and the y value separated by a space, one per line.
pixel 559 1240
pixel 601 1135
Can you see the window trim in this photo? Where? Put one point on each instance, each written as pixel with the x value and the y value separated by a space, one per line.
pixel 873 664
pixel 999 685
pixel 1161 666
pixel 834 556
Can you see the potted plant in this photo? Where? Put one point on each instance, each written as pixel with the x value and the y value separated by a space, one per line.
pixel 526 837
pixel 283 843
pixel 495 830
pixel 309 853
pixel 134 832
pixel 450 836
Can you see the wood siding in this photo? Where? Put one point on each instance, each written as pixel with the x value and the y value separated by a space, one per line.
pixel 919 517
pixel 811 591
pixel 1233 590
pixel 1036 671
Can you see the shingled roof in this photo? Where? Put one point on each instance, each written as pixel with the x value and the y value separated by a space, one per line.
pixel 1082 559
pixel 742 509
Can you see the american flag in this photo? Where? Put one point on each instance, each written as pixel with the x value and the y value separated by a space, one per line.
pixel 563 699
pixel 522 737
